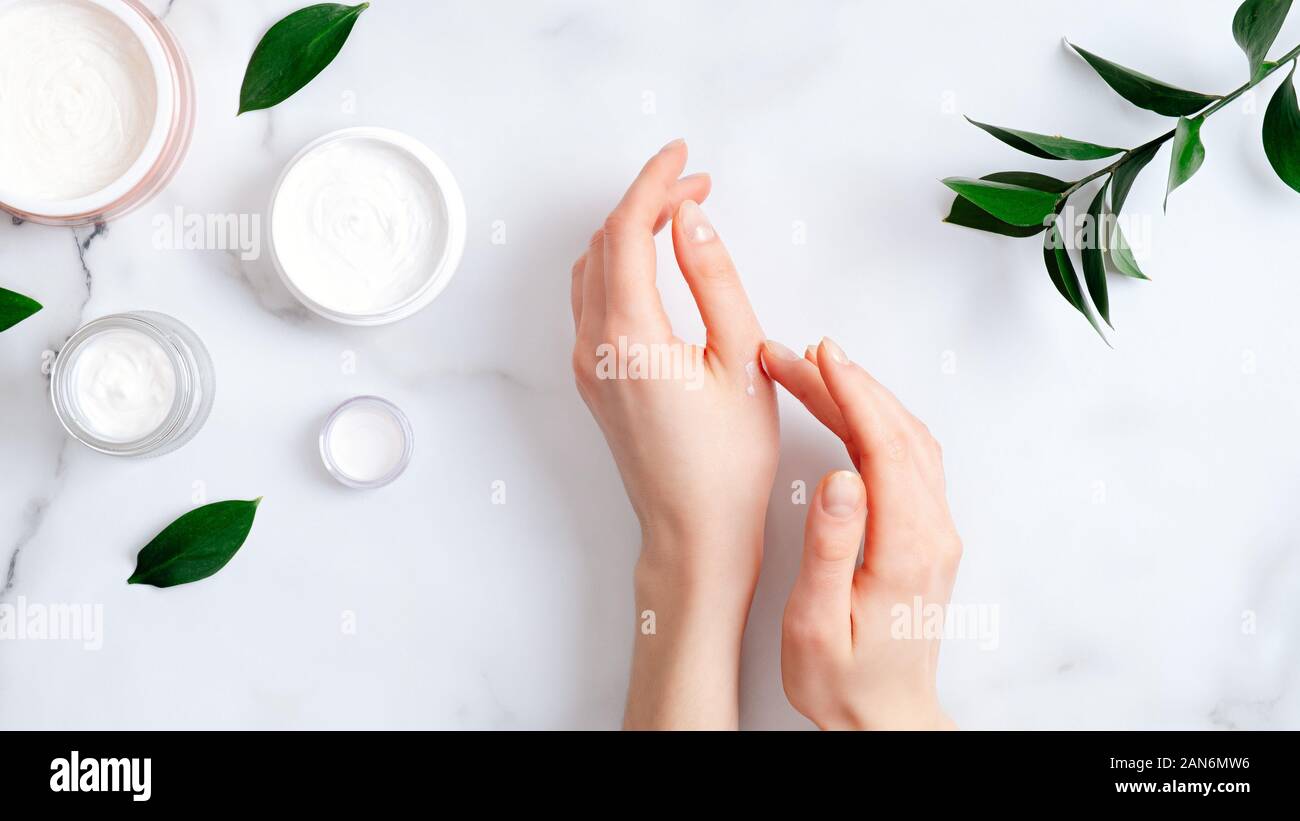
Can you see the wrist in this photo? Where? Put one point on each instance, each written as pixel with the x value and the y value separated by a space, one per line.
pixel 701 561
pixel 920 717
pixel 691 614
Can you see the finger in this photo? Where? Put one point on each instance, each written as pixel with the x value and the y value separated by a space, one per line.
pixel 804 382
pixel 877 422
pixel 629 241
pixel 592 323
pixel 733 330
pixel 822 599
pixel 810 353
pixel 691 187
pixel 575 291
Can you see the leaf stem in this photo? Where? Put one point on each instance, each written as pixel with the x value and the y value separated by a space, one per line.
pixel 1169 135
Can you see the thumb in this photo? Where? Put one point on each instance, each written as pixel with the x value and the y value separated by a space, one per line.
pixel 821 602
pixel 733 330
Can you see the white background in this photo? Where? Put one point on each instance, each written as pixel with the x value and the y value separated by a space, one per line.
pixel 1126 510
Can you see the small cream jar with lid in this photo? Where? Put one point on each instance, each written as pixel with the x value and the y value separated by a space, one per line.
pixel 134 384
pixel 96 108
pixel 367 226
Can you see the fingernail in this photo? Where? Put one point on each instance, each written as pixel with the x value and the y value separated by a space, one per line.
pixel 671 144
pixel 811 352
pixel 694 223
pixel 836 352
pixel 775 350
pixel 778 350
pixel 842 495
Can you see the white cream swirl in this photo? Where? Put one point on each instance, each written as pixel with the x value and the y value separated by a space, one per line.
pixel 77 98
pixel 359 225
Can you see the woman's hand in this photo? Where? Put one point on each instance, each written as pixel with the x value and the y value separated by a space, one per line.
pixel 694 432
pixel 843 660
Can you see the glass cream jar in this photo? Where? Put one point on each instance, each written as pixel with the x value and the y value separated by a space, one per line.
pixel 85 82
pixel 133 384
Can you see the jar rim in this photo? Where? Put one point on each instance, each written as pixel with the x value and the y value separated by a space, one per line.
pixel 64 369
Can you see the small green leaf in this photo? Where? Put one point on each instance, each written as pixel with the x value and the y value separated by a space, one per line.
pixel 1188 154
pixel 1014 204
pixel 1121 256
pixel 14 308
pixel 1094 263
pixel 196 545
pixel 1126 174
pixel 1047 147
pixel 969 215
pixel 1061 270
pixel 294 51
pixel 1147 92
pixel 1255 27
pixel 1282 132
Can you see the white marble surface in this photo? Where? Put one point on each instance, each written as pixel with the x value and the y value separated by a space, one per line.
pixel 1124 509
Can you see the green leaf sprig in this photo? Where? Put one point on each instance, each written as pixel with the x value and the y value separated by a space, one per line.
pixel 196 545
pixel 294 51
pixel 1007 202
pixel 14 308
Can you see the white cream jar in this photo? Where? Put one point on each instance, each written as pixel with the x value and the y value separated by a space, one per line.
pixel 367 226
pixel 95 108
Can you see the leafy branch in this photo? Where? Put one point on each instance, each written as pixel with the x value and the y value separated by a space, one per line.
pixel 1025 204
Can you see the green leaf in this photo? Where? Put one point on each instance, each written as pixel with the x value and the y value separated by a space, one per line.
pixel 1188 154
pixel 1255 27
pixel 1061 270
pixel 968 214
pixel 14 308
pixel 1147 92
pixel 1094 264
pixel 294 51
pixel 1121 256
pixel 1126 174
pixel 1117 251
pixel 196 545
pixel 1049 148
pixel 1282 132
pixel 1011 203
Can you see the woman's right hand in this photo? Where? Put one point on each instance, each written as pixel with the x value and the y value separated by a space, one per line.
pixel 844 662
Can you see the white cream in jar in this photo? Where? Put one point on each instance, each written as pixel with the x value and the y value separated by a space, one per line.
pixel 366 442
pixel 124 385
pixel 367 226
pixel 79 98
